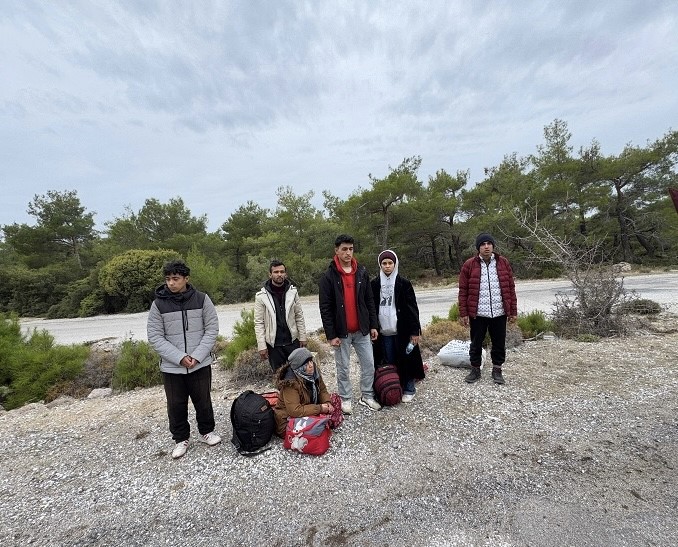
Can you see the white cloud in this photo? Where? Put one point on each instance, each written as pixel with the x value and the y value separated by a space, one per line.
pixel 224 102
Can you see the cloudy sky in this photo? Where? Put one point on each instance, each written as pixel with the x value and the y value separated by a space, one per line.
pixel 223 102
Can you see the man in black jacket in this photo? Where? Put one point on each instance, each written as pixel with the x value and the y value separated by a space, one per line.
pixel 350 319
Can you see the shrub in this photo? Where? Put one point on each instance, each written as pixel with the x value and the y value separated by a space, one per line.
pixel 133 276
pixel 440 332
pixel 244 338
pixel 137 366
pixel 37 365
pixel 248 368
pixel 514 336
pixel 317 346
pixel 97 373
pixel 206 276
pixel 534 323
pixel 453 314
pixel 10 341
pixel 640 306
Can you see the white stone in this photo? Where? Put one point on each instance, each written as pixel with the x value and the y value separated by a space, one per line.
pixel 100 393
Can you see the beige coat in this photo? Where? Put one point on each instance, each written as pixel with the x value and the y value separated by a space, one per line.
pixel 264 317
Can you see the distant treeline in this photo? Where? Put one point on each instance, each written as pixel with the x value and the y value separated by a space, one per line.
pixel 619 205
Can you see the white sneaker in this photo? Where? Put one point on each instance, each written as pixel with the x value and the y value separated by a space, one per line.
pixel 346 407
pixel 210 439
pixel 407 398
pixel 370 403
pixel 180 449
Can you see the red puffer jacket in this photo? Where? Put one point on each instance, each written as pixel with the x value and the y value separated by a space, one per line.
pixel 469 286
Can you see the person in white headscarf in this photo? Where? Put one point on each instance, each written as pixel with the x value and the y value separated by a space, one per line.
pixel 399 324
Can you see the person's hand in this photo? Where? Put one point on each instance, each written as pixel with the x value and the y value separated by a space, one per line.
pixel 414 340
pixel 326 408
pixel 464 321
pixel 188 361
pixel 302 343
pixel 374 334
pixel 512 318
pixel 263 353
pixel 336 342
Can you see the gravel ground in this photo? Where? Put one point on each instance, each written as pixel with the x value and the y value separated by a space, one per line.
pixel 580 447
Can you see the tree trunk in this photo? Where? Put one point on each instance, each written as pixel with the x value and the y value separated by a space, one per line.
pixel 623 223
pixel 436 260
pixel 647 245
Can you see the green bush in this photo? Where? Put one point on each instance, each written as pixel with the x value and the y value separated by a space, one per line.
pixel 534 323
pixel 133 276
pixel 206 276
pixel 453 314
pixel 37 364
pixel 10 341
pixel 244 338
pixel 137 366
pixel 31 293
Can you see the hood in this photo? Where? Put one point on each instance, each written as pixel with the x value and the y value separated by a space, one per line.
pixel 285 377
pixel 382 276
pixel 163 292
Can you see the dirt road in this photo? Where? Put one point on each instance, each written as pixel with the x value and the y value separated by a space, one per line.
pixel 532 295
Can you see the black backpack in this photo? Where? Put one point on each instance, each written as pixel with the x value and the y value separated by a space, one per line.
pixel 253 423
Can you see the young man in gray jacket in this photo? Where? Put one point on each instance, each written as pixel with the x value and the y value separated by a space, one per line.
pixel 182 327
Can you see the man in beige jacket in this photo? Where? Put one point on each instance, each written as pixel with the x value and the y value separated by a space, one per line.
pixel 278 318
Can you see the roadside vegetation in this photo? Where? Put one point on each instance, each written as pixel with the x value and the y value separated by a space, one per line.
pixel 61 266
pixel 558 212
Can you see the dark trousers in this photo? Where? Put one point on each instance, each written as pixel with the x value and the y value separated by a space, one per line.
pixel 389 344
pixel 178 389
pixel 277 356
pixel 480 326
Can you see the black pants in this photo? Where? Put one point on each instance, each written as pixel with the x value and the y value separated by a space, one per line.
pixel 277 356
pixel 178 388
pixel 497 329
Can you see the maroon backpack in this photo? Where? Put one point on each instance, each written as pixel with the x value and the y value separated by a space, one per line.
pixel 387 386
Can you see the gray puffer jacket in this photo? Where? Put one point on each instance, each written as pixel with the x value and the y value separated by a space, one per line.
pixel 182 324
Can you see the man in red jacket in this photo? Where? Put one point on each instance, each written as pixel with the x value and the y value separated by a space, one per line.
pixel 349 318
pixel 487 297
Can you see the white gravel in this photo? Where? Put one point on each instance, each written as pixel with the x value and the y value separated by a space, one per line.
pixel 579 448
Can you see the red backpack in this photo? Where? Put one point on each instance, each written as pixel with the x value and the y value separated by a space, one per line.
pixel 387 386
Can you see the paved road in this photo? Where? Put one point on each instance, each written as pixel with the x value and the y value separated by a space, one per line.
pixel 532 295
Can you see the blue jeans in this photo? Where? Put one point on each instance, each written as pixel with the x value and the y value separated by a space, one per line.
pixel 389 345
pixel 363 349
pixel 408 388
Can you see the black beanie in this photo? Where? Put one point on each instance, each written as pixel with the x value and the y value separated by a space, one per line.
pixel 482 238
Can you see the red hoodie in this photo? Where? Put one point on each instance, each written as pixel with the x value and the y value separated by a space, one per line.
pixel 350 305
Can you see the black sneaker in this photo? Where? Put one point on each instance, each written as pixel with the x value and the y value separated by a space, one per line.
pixel 497 377
pixel 473 376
